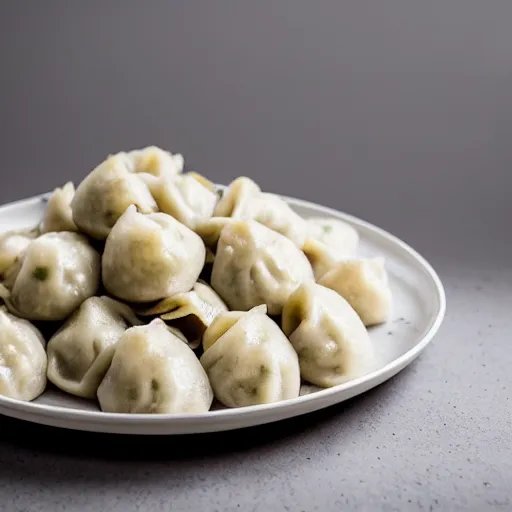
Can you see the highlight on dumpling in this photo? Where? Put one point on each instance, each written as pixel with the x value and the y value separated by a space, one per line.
pixel 154 372
pixel 150 257
pixel 55 274
pixel 254 265
pixel 364 284
pixel 105 194
pixel 22 358
pixel 244 200
pixel 330 339
pixel 249 360
pixel 58 215
pixel 81 351
pixel 191 312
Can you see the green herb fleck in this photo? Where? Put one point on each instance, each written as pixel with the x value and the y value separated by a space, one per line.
pixel 40 273
pixel 219 193
pixel 327 229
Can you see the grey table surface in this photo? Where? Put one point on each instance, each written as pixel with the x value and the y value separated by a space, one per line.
pixel 396 111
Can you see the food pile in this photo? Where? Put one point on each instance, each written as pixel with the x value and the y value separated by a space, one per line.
pixel 150 290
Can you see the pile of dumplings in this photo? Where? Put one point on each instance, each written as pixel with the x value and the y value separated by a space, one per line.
pixel 150 290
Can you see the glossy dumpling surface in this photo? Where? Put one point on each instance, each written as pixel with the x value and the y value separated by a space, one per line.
pixel 364 284
pixel 153 371
pixel 56 273
pixel 244 200
pixel 249 360
pixel 58 215
pixel 255 265
pixel 330 339
pixel 150 257
pixel 336 234
pixel 106 192
pixel 80 352
pixel 22 358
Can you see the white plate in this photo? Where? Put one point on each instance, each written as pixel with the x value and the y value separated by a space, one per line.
pixel 419 307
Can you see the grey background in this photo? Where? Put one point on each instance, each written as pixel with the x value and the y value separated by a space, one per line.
pixel 396 111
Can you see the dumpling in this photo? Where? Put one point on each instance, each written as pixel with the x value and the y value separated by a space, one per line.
pixel 329 241
pixel 185 198
pixel 22 358
pixel 105 194
pixel 321 256
pixel 244 200
pixel 191 312
pixel 364 284
pixel 156 161
pixel 330 339
pixel 153 371
pixel 336 234
pixel 12 245
pixel 81 351
pixel 249 360
pixel 56 273
pixel 58 215
pixel 255 265
pixel 150 257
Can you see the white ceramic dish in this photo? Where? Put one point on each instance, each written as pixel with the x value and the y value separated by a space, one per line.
pixel 419 307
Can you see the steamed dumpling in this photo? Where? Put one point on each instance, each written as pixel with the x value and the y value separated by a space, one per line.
pixel 364 284
pixel 329 241
pixel 155 161
pixel 106 192
pixel 58 215
pixel 255 265
pixel 249 360
pixel 81 351
pixel 12 246
pixel 330 339
pixel 192 312
pixel 22 358
pixel 244 200
pixel 153 371
pixel 336 234
pixel 186 198
pixel 56 273
pixel 150 257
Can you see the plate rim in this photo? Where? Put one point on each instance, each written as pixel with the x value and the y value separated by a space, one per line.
pixel 22 409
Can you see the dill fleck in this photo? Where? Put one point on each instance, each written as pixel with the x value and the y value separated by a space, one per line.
pixel 40 273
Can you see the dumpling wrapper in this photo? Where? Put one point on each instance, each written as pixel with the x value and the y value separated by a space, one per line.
pixel 255 265
pixel 244 200
pixel 12 246
pixel 81 351
pixel 249 360
pixel 335 233
pixel 329 241
pixel 56 273
pixel 185 197
pixel 330 339
pixel 191 312
pixel 22 358
pixel 155 161
pixel 58 215
pixel 154 372
pixel 105 194
pixel 150 257
pixel 364 284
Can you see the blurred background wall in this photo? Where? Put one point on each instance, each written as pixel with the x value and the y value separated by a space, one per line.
pixel 397 111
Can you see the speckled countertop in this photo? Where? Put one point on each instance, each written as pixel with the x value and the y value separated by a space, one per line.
pixel 398 112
